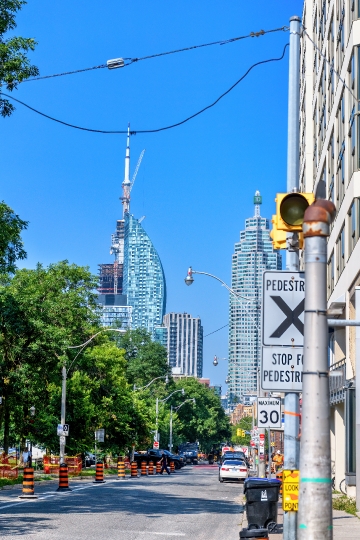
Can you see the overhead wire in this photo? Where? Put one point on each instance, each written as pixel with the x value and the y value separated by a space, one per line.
pixel 130 61
pixel 134 132
pixel 214 332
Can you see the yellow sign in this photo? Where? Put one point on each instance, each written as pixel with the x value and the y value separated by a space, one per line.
pixel 290 495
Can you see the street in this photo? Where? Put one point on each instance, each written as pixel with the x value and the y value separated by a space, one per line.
pixel 190 504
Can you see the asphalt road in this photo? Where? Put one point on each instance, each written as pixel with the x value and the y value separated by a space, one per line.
pixel 190 504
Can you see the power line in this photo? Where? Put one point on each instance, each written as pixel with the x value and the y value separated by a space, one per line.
pixel 214 332
pixel 134 132
pixel 193 47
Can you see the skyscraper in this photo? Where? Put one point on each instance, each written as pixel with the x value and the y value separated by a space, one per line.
pixel 144 279
pixel 253 255
pixel 182 335
pixel 132 289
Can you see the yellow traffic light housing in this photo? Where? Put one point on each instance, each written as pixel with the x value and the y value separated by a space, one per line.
pixel 289 217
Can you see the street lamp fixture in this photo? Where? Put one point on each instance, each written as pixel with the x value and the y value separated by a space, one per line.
pixel 216 360
pixel 227 380
pixel 32 411
pixel 166 377
pixel 171 419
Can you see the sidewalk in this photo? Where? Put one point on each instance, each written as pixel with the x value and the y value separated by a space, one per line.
pixel 345 525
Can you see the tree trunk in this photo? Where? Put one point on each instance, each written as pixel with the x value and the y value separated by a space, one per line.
pixel 6 426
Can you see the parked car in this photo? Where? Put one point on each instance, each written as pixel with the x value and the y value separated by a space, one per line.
pixel 233 469
pixel 235 455
pixel 155 455
pixel 88 460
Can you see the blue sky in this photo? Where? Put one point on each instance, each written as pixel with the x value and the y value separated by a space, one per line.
pixel 196 182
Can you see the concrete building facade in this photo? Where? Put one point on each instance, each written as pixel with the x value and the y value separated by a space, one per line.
pixel 329 167
pixel 182 335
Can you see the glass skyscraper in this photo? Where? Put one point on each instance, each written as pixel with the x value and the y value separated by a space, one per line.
pixel 143 277
pixel 253 255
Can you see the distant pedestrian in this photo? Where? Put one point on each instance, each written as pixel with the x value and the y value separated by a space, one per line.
pixel 164 464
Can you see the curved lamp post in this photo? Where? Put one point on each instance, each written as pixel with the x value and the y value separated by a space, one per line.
pixel 157 410
pixel 171 419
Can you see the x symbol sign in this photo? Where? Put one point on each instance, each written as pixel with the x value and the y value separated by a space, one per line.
pixel 292 317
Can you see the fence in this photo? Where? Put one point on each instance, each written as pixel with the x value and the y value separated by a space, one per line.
pixel 52 464
pixel 8 466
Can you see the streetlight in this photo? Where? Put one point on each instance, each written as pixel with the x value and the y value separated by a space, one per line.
pixel 171 419
pixel 157 410
pixel 216 360
pixel 166 377
pixel 64 373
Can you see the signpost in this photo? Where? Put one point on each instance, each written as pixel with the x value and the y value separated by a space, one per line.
pixel 269 414
pixel 283 308
pixel 290 495
pixel 281 369
pixel 63 430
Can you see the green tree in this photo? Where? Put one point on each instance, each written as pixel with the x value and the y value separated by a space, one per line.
pixel 15 66
pixel 11 245
pixel 205 421
pixel 42 312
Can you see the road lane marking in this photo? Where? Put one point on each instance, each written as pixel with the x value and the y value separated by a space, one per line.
pixel 154 533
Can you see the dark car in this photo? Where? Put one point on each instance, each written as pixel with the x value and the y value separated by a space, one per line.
pixel 88 460
pixel 155 455
pixel 235 455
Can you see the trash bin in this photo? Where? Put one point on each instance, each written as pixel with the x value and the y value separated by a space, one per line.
pixel 255 533
pixel 262 496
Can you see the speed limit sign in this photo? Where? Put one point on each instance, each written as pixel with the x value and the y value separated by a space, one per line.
pixel 269 413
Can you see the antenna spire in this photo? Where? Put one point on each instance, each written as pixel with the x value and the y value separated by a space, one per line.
pixel 126 185
pixel 257 203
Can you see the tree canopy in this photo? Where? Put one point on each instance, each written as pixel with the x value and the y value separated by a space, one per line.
pixel 15 66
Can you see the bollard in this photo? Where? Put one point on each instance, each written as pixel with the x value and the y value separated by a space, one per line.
pixel 143 468
pixel 133 469
pixel 172 466
pixel 99 474
pixel 279 476
pixel 28 484
pixel 63 478
pixel 158 467
pixel 151 468
pixel 121 469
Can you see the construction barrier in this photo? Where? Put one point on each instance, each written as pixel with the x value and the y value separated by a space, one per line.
pixel 28 491
pixel 151 468
pixel 99 473
pixel 52 465
pixel 279 476
pixel 158 467
pixel 172 466
pixel 133 470
pixel 143 468
pixel 121 469
pixel 8 466
pixel 63 478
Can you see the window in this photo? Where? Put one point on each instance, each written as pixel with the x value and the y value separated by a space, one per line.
pixel 354 224
pixel 340 252
pixel 330 275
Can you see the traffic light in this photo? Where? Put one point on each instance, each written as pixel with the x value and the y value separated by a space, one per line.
pixel 243 432
pixel 238 432
pixel 289 217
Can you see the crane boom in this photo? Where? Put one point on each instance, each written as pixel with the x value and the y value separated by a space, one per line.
pixel 137 168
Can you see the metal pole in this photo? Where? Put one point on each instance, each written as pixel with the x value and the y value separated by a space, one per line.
pixel 291 427
pixel 63 409
pixel 171 429
pixel 315 497
pixel 357 393
pixel 157 419
pixel 261 431
pixel 269 450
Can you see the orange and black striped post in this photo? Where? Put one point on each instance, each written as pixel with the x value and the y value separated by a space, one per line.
pixel 133 469
pixel 172 466
pixel 99 473
pixel 143 468
pixel 279 476
pixel 151 468
pixel 28 491
pixel 63 478
pixel 121 468
pixel 158 467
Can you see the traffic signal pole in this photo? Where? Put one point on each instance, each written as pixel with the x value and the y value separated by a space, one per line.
pixel 292 409
pixel 315 497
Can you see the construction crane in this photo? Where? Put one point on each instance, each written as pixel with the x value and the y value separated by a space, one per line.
pixel 137 169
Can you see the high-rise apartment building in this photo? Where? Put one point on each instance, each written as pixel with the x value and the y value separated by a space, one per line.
pixel 182 335
pixel 144 279
pixel 132 290
pixel 330 167
pixel 254 253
